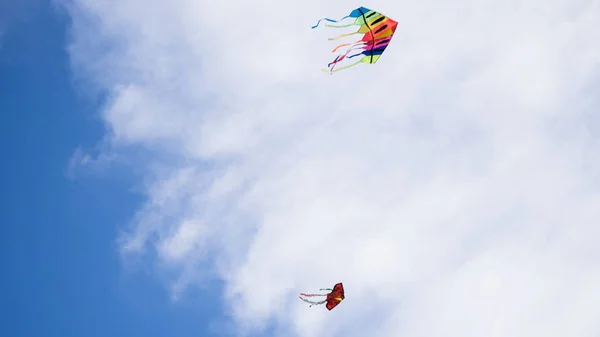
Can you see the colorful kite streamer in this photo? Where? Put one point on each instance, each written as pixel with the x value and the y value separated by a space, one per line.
pixel 378 31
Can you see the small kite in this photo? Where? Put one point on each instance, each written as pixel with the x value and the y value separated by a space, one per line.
pixel 378 31
pixel 334 298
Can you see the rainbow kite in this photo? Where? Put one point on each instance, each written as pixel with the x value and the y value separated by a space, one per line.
pixel 378 31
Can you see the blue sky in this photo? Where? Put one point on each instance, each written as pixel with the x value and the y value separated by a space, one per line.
pixel 61 270
pixel 440 197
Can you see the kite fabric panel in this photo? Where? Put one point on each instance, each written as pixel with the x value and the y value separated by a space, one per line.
pixel 378 31
pixel 333 298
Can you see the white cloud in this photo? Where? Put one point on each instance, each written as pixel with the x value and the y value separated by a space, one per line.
pixel 452 187
pixel 97 162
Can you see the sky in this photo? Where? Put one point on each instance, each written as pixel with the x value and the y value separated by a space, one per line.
pixel 185 168
pixel 62 274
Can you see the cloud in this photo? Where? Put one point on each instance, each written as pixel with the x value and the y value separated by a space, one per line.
pixel 453 187
pixel 83 162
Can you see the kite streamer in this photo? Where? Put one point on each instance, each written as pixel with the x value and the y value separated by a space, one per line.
pixel 378 31
pixel 334 297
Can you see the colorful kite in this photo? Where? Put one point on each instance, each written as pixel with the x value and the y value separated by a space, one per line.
pixel 378 30
pixel 334 298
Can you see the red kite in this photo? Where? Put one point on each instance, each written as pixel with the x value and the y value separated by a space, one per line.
pixel 333 298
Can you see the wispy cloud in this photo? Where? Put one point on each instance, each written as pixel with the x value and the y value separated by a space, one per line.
pixel 85 162
pixel 453 187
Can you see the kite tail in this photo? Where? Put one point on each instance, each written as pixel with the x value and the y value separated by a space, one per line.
pixel 326 289
pixel 344 26
pixel 312 295
pixel 330 20
pixel 342 68
pixel 353 48
pixel 312 302
pixel 339 58
pixel 357 43
pixel 339 37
